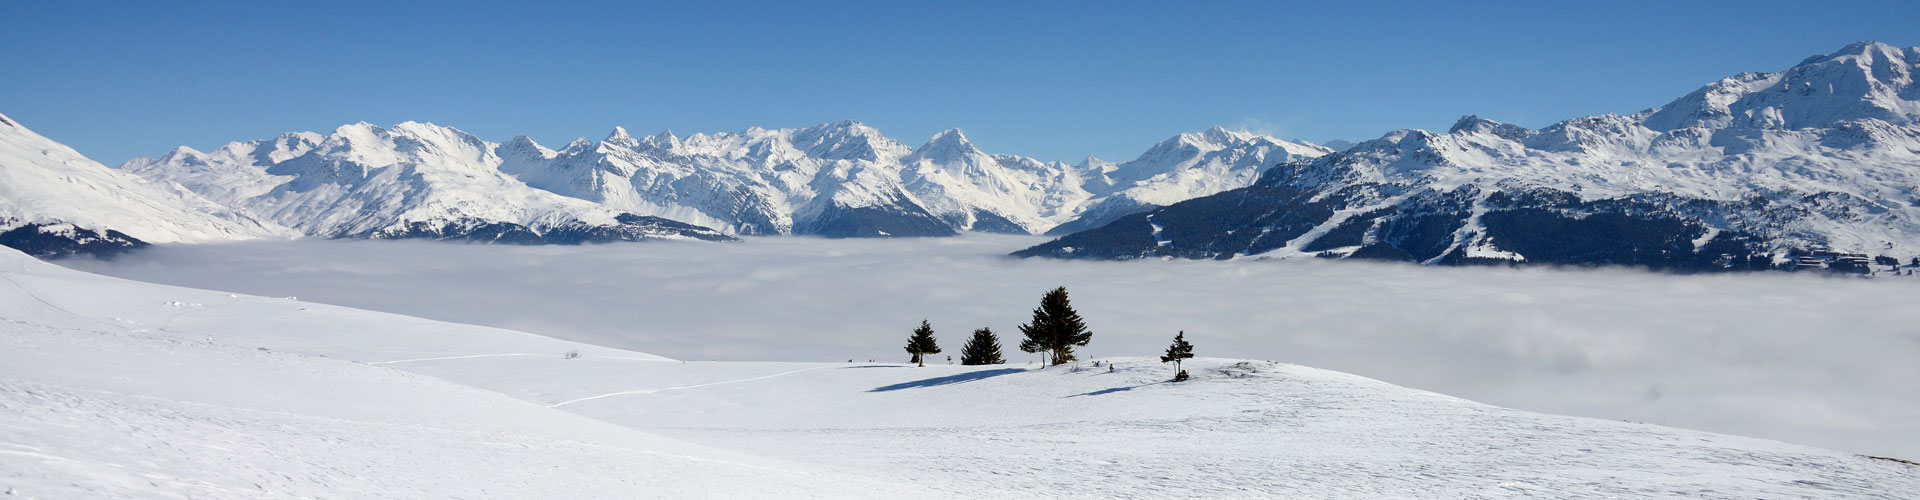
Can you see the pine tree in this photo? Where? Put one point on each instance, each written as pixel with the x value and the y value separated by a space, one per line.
pixel 1055 328
pixel 922 343
pixel 1178 351
pixel 982 349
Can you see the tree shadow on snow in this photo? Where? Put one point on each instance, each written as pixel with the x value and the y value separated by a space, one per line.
pixel 1112 390
pixel 950 379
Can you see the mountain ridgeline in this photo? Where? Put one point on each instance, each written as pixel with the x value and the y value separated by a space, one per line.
pixel 1818 164
pixel 1815 165
pixel 839 179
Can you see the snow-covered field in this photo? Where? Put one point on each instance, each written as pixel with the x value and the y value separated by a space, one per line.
pixel 1819 361
pixel 117 389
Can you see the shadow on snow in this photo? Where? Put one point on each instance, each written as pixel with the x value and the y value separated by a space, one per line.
pixel 1112 390
pixel 950 379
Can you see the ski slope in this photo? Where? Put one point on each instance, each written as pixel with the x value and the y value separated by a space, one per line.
pixel 120 389
pixel 114 389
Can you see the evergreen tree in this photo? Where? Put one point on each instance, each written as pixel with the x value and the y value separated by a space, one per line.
pixel 1178 351
pixel 922 343
pixel 1055 328
pixel 982 349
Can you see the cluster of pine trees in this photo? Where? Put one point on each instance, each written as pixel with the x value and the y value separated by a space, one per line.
pixel 1053 332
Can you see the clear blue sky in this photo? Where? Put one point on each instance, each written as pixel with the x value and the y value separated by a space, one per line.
pixel 1054 80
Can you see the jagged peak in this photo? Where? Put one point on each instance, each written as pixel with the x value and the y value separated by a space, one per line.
pixel 578 145
pixel 523 143
pixel 181 152
pixel 1474 124
pixel 1470 123
pixel 663 140
pixel 359 127
pixel 1860 48
pixel 839 128
pixel 951 136
pixel 948 145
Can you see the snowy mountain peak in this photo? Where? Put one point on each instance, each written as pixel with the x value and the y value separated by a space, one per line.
pixel 1473 124
pixel 845 140
pixel 182 153
pixel 523 147
pixel 663 140
pixel 619 136
pixel 1865 80
pixel 948 143
pixel 1094 163
pixel 1220 135
pixel 54 201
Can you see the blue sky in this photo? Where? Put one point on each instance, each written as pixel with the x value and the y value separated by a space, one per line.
pixel 1054 80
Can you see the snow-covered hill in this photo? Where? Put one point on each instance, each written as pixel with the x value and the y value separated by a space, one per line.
pixel 413 180
pixel 118 389
pixel 54 201
pixel 1822 156
pixel 840 179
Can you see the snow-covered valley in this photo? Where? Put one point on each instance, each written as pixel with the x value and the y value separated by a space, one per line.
pixel 119 389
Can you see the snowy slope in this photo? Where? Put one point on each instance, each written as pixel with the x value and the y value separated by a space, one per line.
pixel 50 192
pixel 116 389
pixel 411 180
pixel 836 179
pixel 1825 155
pixel 206 394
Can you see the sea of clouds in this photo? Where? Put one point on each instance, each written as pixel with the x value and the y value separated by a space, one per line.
pixel 1831 362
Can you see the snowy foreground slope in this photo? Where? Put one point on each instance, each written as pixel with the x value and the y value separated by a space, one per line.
pixel 114 389
pixel 124 389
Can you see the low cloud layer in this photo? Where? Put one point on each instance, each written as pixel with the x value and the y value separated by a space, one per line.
pixel 1821 361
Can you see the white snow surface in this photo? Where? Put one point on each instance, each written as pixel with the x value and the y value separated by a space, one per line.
pixel 1787 356
pixel 758 181
pixel 45 182
pixel 1834 137
pixel 118 389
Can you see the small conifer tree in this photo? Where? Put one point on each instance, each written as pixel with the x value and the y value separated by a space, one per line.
pixel 1055 328
pixel 982 349
pixel 922 343
pixel 1180 350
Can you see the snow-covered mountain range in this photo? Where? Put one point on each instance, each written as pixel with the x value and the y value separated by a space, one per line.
pixel 1741 173
pixel 840 179
pixel 413 180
